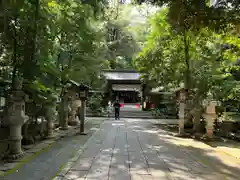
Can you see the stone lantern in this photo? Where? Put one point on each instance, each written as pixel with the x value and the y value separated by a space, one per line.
pixel 50 111
pixel 15 119
pixel 181 96
pixel 64 110
pixel 83 94
pixel 75 102
pixel 210 116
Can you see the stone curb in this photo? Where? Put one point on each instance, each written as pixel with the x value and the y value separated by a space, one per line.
pixel 66 168
pixel 35 150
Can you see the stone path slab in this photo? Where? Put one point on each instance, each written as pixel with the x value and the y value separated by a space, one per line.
pixel 130 149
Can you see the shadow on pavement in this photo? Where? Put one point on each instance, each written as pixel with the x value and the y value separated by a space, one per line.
pixel 185 160
pixel 223 143
pixel 141 152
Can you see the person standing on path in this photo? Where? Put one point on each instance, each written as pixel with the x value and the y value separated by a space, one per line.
pixel 116 106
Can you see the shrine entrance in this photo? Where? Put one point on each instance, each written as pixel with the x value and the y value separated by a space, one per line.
pixel 125 85
pixel 128 96
pixel 127 93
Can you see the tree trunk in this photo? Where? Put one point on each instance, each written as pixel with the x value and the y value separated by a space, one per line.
pixel 187 78
pixel 30 58
pixel 14 62
pixel 187 59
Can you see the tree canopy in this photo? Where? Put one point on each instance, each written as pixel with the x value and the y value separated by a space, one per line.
pixel 49 42
pixel 74 39
pixel 210 57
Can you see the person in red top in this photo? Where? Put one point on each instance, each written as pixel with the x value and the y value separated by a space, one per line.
pixel 117 106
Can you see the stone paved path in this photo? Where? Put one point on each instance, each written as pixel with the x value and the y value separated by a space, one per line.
pixel 47 164
pixel 131 149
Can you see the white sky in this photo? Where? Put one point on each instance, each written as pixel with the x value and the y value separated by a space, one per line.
pixel 138 14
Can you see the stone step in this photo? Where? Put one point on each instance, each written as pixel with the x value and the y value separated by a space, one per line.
pixel 134 114
pixel 128 114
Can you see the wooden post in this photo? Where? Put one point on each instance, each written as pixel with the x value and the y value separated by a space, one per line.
pixel 83 94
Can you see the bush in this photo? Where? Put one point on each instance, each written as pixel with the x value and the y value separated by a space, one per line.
pixel 95 104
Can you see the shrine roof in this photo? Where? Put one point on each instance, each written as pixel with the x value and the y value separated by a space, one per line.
pixel 121 74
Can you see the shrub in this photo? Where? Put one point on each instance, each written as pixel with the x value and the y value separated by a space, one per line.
pixel 95 104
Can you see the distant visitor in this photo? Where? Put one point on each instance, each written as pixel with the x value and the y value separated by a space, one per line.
pixel 117 106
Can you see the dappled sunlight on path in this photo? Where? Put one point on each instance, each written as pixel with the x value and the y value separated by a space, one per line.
pixel 130 149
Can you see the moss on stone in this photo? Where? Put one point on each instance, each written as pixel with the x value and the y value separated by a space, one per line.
pixel 25 160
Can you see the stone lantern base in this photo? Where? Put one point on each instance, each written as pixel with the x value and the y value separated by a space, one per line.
pixel 73 123
pixel 15 143
pixel 206 138
pixel 50 130
pixel 65 127
pixel 210 126
pixel 13 157
pixel 64 121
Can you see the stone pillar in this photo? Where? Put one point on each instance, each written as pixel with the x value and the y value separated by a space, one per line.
pixel 15 119
pixel 182 96
pixel 51 108
pixel 181 114
pixel 64 112
pixel 82 116
pixel 210 117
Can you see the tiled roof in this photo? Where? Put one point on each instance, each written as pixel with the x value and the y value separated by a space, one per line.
pixel 122 75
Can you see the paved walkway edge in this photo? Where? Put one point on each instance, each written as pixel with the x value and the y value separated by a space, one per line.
pixel 64 170
pixel 228 153
pixel 210 145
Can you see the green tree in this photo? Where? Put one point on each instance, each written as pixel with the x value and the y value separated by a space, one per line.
pixel 163 59
pixel 66 40
pixel 121 45
pixel 195 59
pixel 195 15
